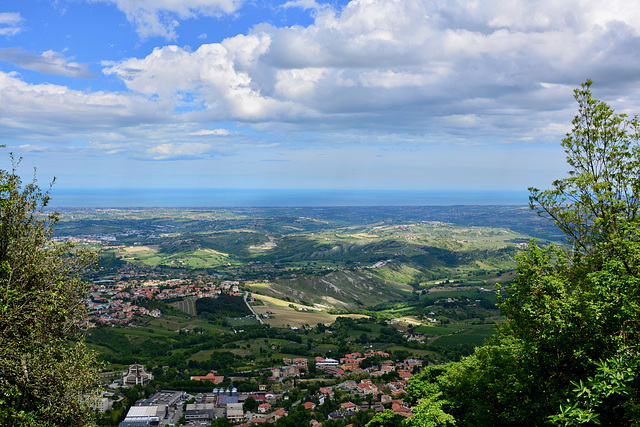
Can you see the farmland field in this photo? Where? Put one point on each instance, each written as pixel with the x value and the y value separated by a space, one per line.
pixel 466 336
pixel 282 315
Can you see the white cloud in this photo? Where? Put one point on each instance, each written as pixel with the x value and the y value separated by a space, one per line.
pixel 49 62
pixel 216 75
pixel 209 132
pixel 161 17
pixel 10 23
pixel 392 62
pixel 466 71
pixel 172 151
pixel 45 111
pixel 303 4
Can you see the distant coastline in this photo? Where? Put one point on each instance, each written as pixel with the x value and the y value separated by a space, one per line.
pixel 237 198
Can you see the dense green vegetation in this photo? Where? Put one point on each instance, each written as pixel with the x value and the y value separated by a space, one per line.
pixel 195 344
pixel 222 306
pixel 45 367
pixel 567 353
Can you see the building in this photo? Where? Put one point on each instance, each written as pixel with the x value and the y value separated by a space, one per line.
pixel 103 404
pixel 279 413
pixel 199 412
pixel 163 399
pixel 235 412
pixel 264 408
pixel 209 377
pixel 349 407
pixel 141 416
pixel 323 364
pixel 136 374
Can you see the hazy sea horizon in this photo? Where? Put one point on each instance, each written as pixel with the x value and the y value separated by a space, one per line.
pixel 242 198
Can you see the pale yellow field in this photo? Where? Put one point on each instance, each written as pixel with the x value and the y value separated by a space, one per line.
pixel 211 252
pixel 282 315
pixel 138 249
pixel 281 303
pixel 358 236
pixel 410 320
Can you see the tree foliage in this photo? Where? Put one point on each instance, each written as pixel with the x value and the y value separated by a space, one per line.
pixel 568 351
pixel 598 202
pixel 386 418
pixel 45 369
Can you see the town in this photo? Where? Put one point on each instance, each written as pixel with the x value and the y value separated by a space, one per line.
pixel 354 390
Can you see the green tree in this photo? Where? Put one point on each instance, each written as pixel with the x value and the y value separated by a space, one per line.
pixel 45 369
pixel 568 350
pixel 221 422
pixel 578 310
pixel 386 418
pixel 250 404
pixel 597 204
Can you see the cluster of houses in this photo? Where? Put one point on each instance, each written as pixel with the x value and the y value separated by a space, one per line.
pixel 292 368
pixel 354 395
pixel 350 364
pixel 221 403
pixel 115 304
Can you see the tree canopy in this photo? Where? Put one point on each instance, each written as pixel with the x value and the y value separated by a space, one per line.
pixel 567 353
pixel 45 369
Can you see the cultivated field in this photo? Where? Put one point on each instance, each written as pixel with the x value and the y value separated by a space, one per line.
pixel 282 314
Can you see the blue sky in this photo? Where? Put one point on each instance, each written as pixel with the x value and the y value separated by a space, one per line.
pixel 367 94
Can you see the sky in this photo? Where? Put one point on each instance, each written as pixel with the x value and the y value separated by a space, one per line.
pixel 260 94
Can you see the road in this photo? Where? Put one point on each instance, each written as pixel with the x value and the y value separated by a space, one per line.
pixel 246 294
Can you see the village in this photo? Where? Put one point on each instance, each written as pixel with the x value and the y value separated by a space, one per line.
pixel 354 390
pixel 115 304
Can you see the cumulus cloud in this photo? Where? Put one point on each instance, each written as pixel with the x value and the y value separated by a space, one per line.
pixel 49 62
pixel 460 71
pixel 10 23
pixel 43 111
pixel 161 17
pixel 403 65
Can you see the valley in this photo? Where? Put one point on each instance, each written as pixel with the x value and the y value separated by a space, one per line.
pixel 239 291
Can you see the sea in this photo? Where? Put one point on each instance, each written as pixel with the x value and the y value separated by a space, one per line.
pixel 244 198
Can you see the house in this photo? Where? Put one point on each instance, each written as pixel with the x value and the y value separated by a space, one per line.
pixel 401 410
pixel 366 388
pixel 279 413
pixel 264 408
pixel 404 374
pixel 349 407
pixel 309 406
pixel 326 391
pixel 336 415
